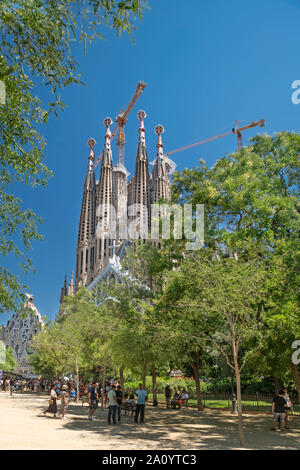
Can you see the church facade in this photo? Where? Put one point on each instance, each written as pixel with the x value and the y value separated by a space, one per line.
pixel 19 331
pixel 110 203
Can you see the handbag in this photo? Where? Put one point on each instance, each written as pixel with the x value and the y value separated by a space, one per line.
pixel 50 402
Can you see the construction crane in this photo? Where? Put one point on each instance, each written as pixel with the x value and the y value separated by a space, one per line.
pixel 236 130
pixel 121 120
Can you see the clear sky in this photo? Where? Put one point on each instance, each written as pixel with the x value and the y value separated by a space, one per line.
pixel 206 63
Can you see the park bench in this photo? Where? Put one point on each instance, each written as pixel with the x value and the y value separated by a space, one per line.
pixel 183 403
pixel 128 408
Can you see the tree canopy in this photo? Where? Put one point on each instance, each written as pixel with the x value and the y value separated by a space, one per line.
pixel 36 39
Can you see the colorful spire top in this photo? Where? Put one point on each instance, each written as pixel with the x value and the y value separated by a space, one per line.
pixel 159 129
pixel 141 116
pixel 91 144
pixel 107 122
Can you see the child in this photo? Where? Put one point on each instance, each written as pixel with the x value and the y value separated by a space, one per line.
pixel 73 394
pixel 64 401
pixel 130 403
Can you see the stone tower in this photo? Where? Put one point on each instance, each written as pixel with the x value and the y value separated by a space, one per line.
pixel 110 204
pixel 85 253
pixel 104 202
pixel 160 171
pixel 119 188
pixel 140 183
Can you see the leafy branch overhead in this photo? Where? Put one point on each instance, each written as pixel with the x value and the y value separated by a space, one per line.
pixel 36 38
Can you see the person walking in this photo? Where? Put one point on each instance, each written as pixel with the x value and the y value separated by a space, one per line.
pixel 142 397
pixel 93 403
pixel 52 408
pixel 168 394
pixel 119 396
pixel 11 386
pixel 112 405
pixel 289 406
pixel 278 409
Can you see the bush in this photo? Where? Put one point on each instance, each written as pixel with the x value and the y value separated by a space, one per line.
pixel 175 382
pixel 248 386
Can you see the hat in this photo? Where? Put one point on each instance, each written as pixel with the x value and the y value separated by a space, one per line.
pixel 64 387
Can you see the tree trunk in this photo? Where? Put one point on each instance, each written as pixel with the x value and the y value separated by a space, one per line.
pixel 296 375
pixel 103 386
pixel 278 384
pixel 77 379
pixel 238 393
pixel 144 374
pixel 154 388
pixel 63 376
pixel 197 380
pixel 122 380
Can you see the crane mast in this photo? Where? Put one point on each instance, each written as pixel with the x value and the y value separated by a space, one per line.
pixel 121 120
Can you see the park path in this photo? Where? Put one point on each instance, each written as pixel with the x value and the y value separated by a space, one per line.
pixel 23 426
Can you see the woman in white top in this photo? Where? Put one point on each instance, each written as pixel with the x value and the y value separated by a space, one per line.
pixel 52 408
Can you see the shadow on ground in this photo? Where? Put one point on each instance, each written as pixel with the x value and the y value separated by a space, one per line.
pixel 183 429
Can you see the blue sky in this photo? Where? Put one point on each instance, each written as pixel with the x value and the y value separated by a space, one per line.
pixel 206 64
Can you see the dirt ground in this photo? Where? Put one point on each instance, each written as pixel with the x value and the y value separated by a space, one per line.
pixel 24 426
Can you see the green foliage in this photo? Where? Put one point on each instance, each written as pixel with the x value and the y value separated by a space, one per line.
pixel 176 383
pixel 35 49
pixel 10 364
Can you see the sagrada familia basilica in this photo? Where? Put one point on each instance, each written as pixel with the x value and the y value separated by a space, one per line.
pixel 99 253
pixel 108 204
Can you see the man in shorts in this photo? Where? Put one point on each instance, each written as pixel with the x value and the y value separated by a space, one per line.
pixel 93 400
pixel 278 409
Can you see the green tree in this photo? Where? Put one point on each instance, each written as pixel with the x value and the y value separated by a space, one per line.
pixel 252 203
pixel 35 49
pixel 209 301
pixel 10 364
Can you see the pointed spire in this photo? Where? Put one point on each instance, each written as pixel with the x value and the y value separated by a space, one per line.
pixel 121 120
pixel 159 129
pixel 63 291
pixel 104 201
pixel 91 144
pixel 71 285
pixel 107 122
pixel 86 228
pixel 160 173
pixel 141 116
pixel 140 183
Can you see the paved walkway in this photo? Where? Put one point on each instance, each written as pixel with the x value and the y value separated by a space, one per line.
pixel 24 426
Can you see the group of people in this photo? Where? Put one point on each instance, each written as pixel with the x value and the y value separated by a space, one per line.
pixel 20 385
pixel 178 400
pixel 112 396
pixel 281 407
pixel 62 393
